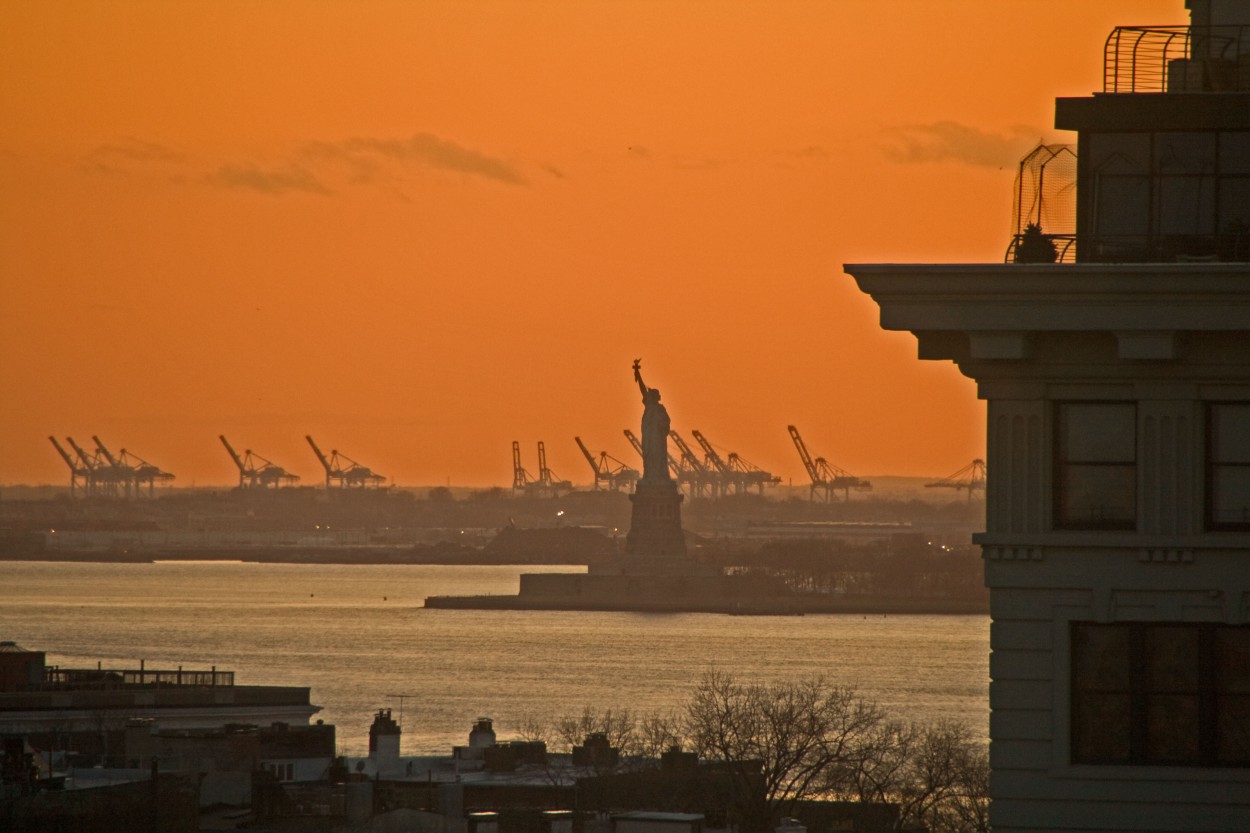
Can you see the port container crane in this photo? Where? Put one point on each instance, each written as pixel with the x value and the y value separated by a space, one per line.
pixel 142 472
pixel 824 475
pixel 970 477
pixel 79 473
pixel 548 482
pixel 749 474
pixel 730 478
pixel 127 473
pixel 608 470
pixel 353 476
pixel 255 472
pixel 90 463
pixel 694 472
pixel 111 479
pixel 521 479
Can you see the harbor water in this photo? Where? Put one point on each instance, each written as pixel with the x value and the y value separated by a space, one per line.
pixel 359 638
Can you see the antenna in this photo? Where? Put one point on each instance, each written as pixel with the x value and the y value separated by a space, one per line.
pixel 401 697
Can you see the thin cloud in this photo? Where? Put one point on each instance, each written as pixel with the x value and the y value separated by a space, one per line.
pixel 801 157
pixel 365 154
pixel 276 182
pixel 130 155
pixel 138 150
pixel 697 163
pixel 948 141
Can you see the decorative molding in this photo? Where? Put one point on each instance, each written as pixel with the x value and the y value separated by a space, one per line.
pixel 1166 477
pixel 1014 498
pixel 1013 553
pixel 1156 555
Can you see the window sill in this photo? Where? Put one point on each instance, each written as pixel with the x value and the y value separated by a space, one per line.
pixel 1147 772
pixel 1114 539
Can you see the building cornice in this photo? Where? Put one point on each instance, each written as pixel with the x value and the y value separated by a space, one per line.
pixel 998 306
pixel 1112 112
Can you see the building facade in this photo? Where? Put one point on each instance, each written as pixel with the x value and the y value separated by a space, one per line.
pixel 1117 539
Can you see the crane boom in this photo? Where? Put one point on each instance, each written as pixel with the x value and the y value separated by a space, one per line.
pixel 709 453
pixel 354 475
pixel 824 475
pixel 629 435
pixel 688 457
pixel 107 456
pixel 86 459
pixel 238 461
pixel 324 462
pixel 692 471
pixel 75 470
pixel 112 480
pixel 590 458
pixel 803 454
pixel 69 461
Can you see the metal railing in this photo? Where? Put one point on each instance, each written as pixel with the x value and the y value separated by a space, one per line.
pixel 1176 59
pixel 1230 247
pixel 1065 248
pixel 105 678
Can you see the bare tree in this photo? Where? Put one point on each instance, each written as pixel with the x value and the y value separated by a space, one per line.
pixel 966 809
pixel 781 741
pixel 529 727
pixel 618 725
pixel 936 774
pixel 656 734
pixel 786 742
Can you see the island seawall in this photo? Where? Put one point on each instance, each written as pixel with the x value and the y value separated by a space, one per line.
pixel 740 593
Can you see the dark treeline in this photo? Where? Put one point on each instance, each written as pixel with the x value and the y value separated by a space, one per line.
pixel 770 750
pixel 904 565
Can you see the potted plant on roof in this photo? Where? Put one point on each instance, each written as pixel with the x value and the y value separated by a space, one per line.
pixel 1035 246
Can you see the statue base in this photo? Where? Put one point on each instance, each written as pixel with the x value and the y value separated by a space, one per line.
pixel 655 524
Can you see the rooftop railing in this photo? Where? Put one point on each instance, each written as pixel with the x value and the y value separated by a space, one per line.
pixel 1177 59
pixel 1064 246
pixel 104 678
pixel 1230 247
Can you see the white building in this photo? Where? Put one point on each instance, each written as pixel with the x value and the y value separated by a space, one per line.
pixel 1117 541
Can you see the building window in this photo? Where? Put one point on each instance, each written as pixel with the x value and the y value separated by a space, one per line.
pixel 1166 195
pixel 1096 465
pixel 283 771
pixel 1161 694
pixel 1228 465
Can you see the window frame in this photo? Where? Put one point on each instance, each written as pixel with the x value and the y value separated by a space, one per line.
pixel 1211 467
pixel 1214 699
pixel 1061 465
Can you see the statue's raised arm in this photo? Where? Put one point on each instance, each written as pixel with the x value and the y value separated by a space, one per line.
pixel 638 378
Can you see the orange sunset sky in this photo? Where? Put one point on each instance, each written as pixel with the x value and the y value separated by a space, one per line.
pixel 421 230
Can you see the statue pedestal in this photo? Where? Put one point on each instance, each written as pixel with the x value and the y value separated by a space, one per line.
pixel 655 526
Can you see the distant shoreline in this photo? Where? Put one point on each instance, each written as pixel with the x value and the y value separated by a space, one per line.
pixel 797 605
pixel 270 555
pixel 789 606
